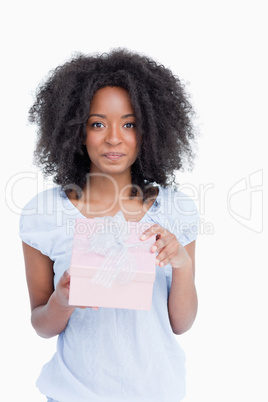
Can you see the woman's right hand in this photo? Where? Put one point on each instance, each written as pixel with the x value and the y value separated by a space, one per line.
pixel 50 307
pixel 62 292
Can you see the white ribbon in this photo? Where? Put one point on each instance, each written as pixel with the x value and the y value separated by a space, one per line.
pixel 118 264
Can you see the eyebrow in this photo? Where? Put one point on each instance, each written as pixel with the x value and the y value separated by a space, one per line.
pixel 128 115
pixel 105 117
pixel 98 115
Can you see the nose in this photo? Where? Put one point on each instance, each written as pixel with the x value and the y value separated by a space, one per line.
pixel 114 136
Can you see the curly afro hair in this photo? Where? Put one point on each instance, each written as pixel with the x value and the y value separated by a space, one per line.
pixel 162 109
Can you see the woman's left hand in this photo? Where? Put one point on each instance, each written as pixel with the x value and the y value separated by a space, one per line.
pixel 169 249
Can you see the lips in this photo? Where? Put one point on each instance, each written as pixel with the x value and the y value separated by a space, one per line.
pixel 113 155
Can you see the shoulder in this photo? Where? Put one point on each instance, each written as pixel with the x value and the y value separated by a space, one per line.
pixel 39 218
pixel 42 202
pixel 176 202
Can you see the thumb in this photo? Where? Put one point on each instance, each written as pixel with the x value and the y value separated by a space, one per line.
pixel 65 277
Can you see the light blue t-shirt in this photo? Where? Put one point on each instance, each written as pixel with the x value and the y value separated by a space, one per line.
pixel 111 355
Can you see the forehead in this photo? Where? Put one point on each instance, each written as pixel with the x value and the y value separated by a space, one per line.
pixel 112 99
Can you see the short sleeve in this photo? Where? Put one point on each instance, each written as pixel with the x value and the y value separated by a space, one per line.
pixel 35 225
pixel 177 212
pixel 185 218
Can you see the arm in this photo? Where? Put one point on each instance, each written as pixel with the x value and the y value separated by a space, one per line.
pixel 182 301
pixel 50 309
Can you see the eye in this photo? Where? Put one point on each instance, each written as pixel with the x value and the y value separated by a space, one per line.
pixel 130 125
pixel 97 125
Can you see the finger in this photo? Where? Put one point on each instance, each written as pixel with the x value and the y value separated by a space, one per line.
pixel 177 258
pixel 163 255
pixel 83 307
pixel 159 244
pixel 65 278
pixel 175 261
pixel 152 231
pixel 164 262
pixel 169 239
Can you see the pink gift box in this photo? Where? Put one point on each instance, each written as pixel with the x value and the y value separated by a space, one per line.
pixel 101 249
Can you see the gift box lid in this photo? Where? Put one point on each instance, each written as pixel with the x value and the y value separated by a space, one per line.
pixel 110 250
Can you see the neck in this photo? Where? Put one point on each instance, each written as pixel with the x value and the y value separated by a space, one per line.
pixel 107 187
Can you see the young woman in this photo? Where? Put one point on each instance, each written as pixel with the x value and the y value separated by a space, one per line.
pixel 113 128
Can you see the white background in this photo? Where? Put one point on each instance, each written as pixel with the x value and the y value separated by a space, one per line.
pixel 220 49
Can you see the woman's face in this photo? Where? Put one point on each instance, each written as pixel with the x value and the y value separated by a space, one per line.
pixel 111 132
